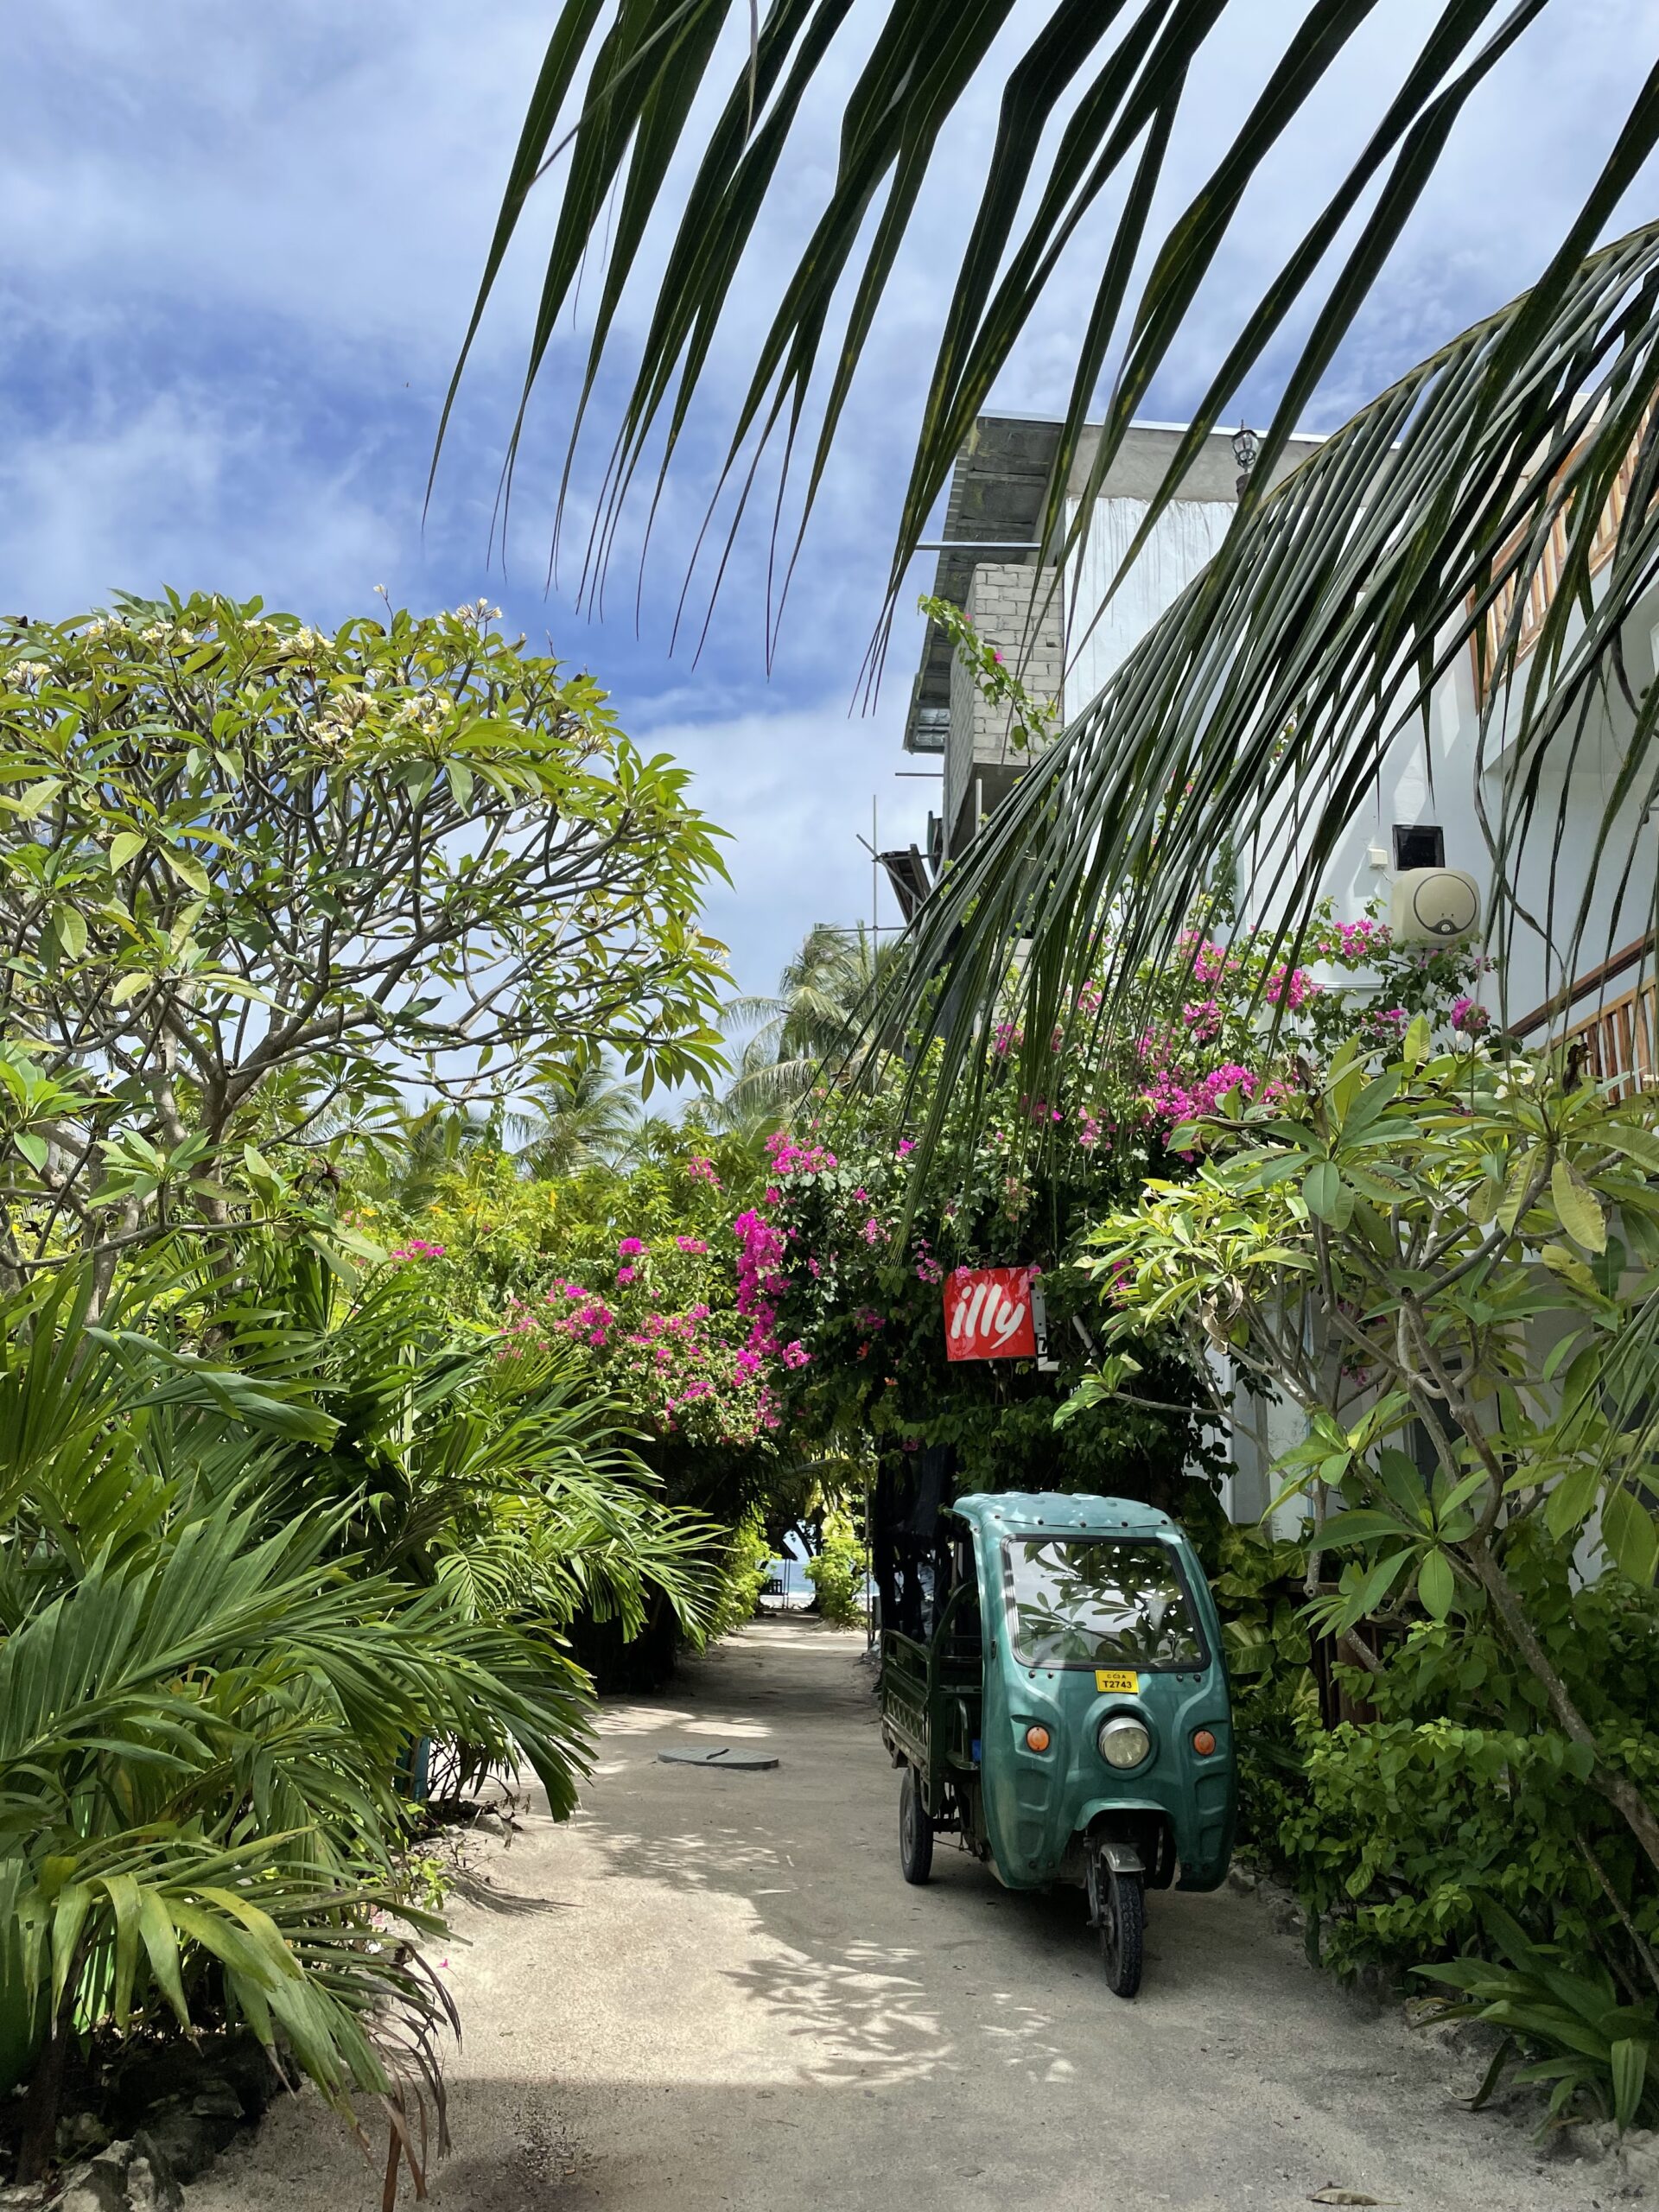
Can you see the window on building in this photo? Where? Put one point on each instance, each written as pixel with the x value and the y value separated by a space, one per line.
pixel 1419 844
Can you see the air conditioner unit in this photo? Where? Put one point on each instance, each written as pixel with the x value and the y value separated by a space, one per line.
pixel 1433 905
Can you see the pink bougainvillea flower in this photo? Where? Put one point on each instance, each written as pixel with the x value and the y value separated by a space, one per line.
pixel 626 1274
pixel 630 1247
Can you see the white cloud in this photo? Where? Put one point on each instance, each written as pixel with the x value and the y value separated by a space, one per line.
pixel 794 788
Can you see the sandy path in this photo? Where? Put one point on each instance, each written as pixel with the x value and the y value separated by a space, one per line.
pixel 714 1991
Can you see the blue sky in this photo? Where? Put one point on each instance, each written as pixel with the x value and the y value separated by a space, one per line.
pixel 241 244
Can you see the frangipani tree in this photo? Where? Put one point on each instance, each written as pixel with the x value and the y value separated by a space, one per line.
pixel 1438 1261
pixel 258 881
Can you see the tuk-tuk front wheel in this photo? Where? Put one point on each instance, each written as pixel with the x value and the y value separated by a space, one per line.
pixel 1122 1917
pixel 915 1830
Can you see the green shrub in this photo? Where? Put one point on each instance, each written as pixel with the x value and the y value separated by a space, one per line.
pixel 743 1576
pixel 231 1597
pixel 837 1573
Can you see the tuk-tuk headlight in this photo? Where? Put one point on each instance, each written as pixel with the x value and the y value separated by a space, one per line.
pixel 1123 1743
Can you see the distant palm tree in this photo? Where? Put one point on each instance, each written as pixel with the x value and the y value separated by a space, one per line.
pixel 398 1162
pixel 824 990
pixel 592 1120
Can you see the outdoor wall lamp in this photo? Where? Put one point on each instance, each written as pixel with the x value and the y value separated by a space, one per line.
pixel 1246 446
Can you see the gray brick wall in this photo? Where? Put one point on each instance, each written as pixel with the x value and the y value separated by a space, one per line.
pixel 999 606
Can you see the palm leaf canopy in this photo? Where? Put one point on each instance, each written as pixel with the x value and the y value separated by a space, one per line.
pixel 1086 118
pixel 1264 702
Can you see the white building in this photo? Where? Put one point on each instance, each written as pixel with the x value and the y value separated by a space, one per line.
pixel 1422 811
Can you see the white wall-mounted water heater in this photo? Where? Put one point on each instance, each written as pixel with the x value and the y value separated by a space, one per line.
pixel 1433 906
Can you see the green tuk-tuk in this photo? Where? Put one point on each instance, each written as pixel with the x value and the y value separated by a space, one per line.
pixel 1066 1714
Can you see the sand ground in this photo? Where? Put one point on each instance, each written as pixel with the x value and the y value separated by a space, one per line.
pixel 714 1991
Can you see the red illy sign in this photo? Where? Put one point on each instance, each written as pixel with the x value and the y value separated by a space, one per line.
pixel 988 1313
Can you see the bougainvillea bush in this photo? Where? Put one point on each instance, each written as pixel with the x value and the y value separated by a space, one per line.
pixel 854 1239
pixel 660 1274
pixel 1225 1017
pixel 639 1268
pixel 856 1248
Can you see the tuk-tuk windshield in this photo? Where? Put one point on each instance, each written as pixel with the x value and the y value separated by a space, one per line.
pixel 1097 1602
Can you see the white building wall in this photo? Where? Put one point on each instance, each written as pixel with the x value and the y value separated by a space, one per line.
pixel 1100 635
pixel 1429 777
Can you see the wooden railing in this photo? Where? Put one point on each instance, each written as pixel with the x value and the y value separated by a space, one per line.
pixel 1617 1040
pixel 1545 579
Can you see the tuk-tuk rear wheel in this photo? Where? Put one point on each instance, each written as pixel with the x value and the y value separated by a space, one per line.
pixel 915 1830
pixel 1123 1930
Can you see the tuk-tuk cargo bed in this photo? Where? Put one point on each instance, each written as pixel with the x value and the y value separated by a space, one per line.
pixel 930 1709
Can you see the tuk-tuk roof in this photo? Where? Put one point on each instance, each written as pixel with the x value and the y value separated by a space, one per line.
pixel 1022 1513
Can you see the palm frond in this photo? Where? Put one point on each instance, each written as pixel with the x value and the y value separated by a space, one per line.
pixel 1255 716
pixel 1088 110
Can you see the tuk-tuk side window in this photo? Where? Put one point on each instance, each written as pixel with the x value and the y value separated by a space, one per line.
pixel 1098 1602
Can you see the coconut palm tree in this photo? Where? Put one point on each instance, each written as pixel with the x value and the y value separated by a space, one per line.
pixel 824 990
pixel 591 1119
pixel 1087 112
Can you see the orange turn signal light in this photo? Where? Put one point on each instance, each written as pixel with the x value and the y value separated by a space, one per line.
pixel 1037 1739
pixel 1203 1742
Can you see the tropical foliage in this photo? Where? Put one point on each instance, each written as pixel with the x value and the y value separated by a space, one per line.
pixel 256 876
pixel 1288 673
pixel 1502 475
pixel 298 922
pixel 1087 114
pixel 1440 1259
pixel 231 1612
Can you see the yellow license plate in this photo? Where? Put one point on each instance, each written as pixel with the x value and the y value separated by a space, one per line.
pixel 1116 1678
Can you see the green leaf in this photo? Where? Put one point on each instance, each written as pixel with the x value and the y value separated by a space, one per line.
pixel 1628 1533
pixel 33 1148
pixel 71 926
pixel 1567 1507
pixel 186 868
pixel 1577 1208
pixel 1363 1525
pixel 161 1945
pixel 1376 1585
pixel 1322 1189
pixel 38 797
pixel 1436 1586
pixel 1637 1144
pixel 1628 2060
pixel 126 845
pixel 1563 1260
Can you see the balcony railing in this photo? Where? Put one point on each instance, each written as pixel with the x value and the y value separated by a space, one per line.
pixel 1618 1040
pixel 1617 1037
pixel 1545 579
